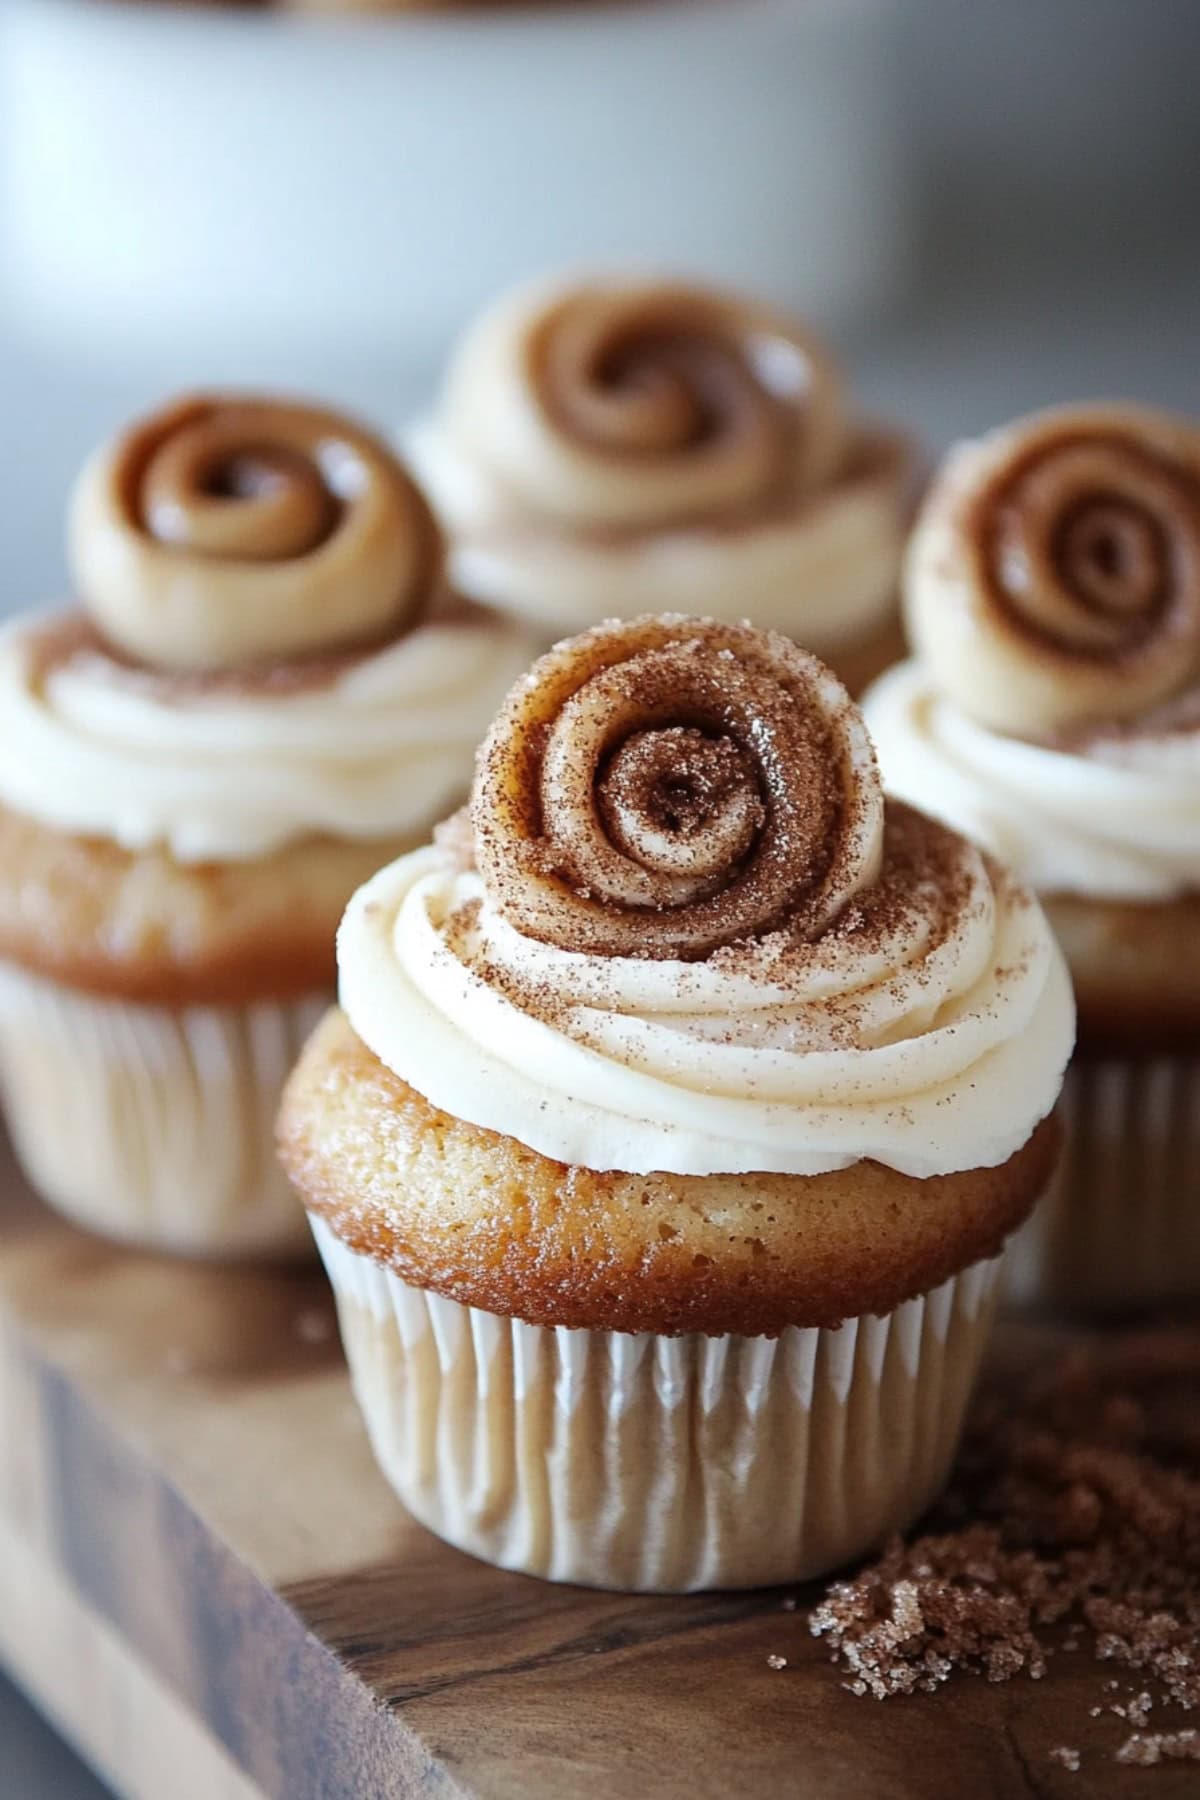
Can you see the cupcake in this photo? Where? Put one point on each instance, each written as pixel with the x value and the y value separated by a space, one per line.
pixel 266 691
pixel 680 1102
pixel 1051 710
pixel 616 444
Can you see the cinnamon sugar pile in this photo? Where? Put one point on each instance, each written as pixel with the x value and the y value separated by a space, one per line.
pixel 1073 1520
pixel 1160 1746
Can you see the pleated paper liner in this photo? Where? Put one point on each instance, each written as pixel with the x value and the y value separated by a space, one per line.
pixel 154 1125
pixel 1120 1226
pixel 650 1463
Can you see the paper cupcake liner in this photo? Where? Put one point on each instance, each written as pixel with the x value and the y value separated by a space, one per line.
pixel 1120 1225
pixel 151 1124
pixel 651 1463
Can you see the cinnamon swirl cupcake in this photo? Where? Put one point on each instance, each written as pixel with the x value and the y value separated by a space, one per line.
pixel 265 692
pixel 681 1101
pixel 1052 711
pixel 613 444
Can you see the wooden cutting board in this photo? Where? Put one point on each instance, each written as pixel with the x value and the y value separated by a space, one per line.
pixel 206 1583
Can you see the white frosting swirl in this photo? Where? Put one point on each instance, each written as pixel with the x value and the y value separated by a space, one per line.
pixel 609 447
pixel 824 569
pixel 1116 817
pixel 383 747
pixel 932 1040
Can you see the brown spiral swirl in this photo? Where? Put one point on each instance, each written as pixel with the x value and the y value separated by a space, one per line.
pixel 227 530
pixel 666 786
pixel 630 404
pixel 1054 576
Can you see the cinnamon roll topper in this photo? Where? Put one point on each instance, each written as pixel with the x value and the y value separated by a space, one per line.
pixel 666 786
pixel 636 403
pixel 227 530
pixel 1053 580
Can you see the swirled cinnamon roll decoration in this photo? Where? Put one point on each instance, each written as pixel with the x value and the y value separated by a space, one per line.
pixel 1054 576
pixel 666 786
pixel 627 404
pixel 227 530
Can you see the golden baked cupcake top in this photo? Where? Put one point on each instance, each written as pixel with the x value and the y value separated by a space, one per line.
pixel 607 443
pixel 1052 704
pixel 681 931
pixel 266 648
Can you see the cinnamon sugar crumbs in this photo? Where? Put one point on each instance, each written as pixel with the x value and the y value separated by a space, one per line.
pixel 1075 1508
pixel 1147 1750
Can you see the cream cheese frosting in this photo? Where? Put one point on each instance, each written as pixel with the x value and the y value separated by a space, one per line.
pixel 225 770
pixel 1116 816
pixel 606 446
pixel 1052 597
pixel 681 932
pixel 940 1049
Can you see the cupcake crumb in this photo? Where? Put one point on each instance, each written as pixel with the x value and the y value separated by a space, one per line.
pixel 777 1662
pixel 1066 1757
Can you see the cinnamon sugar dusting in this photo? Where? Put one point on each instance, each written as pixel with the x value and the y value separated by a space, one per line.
pixel 73 638
pixel 667 786
pixel 679 783
pixel 686 883
pixel 927 889
pixel 1072 1522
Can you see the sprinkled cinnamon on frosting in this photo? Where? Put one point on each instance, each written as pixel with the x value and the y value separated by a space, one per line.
pixel 1110 812
pixel 72 640
pixel 687 936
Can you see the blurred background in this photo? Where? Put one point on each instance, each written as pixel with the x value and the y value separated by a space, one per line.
pixel 986 208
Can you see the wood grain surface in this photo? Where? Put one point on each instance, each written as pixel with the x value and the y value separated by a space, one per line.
pixel 208 1585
